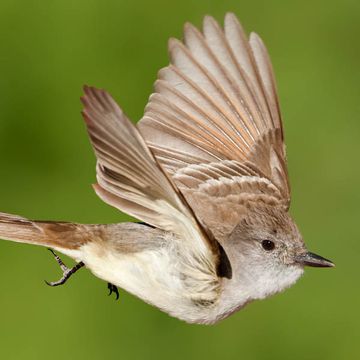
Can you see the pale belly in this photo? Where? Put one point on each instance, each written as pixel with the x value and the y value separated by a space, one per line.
pixel 152 276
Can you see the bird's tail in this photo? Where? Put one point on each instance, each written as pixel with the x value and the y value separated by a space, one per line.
pixel 59 235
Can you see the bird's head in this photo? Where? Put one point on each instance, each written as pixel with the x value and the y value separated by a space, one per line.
pixel 267 252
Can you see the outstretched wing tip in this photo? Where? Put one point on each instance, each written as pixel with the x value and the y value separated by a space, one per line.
pixel 208 19
pixel 254 37
pixel 217 99
pixel 230 14
pixel 173 44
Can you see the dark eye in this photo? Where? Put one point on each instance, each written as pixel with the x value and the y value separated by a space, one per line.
pixel 268 245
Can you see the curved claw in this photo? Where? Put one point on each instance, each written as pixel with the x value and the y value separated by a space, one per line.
pixel 67 272
pixel 117 293
pixel 112 288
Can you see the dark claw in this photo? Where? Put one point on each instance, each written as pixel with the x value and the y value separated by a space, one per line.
pixel 112 288
pixel 67 272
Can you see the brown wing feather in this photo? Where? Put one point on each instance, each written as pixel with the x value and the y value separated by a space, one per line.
pixel 214 123
pixel 128 176
pixel 130 179
pixel 217 101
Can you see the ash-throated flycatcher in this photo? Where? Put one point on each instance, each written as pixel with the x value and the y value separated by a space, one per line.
pixel 205 168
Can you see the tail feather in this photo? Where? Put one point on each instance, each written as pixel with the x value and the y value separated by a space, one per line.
pixel 61 235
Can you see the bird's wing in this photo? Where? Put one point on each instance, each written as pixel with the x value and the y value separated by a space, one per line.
pixel 130 179
pixel 214 122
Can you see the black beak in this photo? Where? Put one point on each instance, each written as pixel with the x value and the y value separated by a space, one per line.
pixel 310 259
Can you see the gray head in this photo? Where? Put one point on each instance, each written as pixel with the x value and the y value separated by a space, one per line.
pixel 267 252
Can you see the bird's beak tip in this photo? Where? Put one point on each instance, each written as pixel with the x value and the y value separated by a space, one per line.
pixel 310 259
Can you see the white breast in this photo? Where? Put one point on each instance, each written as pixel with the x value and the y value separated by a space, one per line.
pixel 156 276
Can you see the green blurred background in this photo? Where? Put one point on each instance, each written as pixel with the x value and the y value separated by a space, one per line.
pixel 48 50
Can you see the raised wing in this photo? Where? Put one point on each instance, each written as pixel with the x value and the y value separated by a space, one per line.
pixel 214 123
pixel 130 180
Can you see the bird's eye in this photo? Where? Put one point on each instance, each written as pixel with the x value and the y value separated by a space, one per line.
pixel 268 245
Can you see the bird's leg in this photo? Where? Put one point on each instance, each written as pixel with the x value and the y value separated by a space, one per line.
pixel 112 288
pixel 67 272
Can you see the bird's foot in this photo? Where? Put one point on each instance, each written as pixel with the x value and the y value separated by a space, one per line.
pixel 112 288
pixel 67 272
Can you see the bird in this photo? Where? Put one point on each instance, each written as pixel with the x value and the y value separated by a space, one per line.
pixel 205 173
